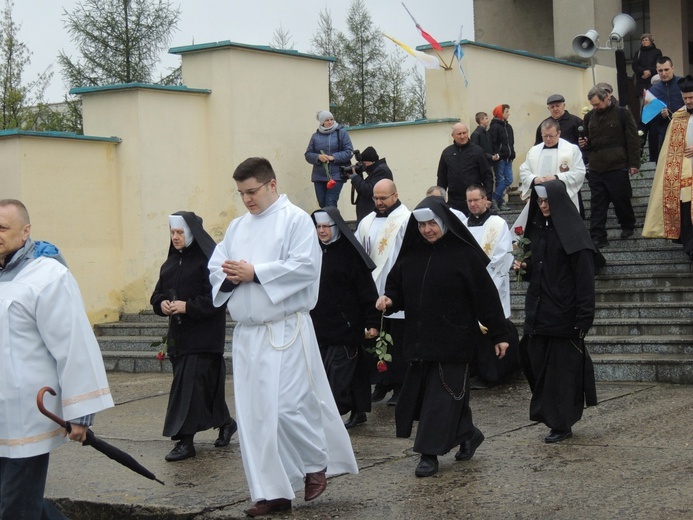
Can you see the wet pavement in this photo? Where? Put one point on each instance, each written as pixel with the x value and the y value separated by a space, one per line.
pixel 631 457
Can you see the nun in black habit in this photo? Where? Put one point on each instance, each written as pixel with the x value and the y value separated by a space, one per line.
pixel 559 310
pixel 195 341
pixel 441 283
pixel 345 314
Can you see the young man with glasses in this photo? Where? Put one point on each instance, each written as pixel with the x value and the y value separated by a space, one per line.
pixel 267 272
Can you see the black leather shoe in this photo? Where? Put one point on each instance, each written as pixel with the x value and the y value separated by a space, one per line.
pixel 225 433
pixel 265 507
pixel 355 419
pixel 557 436
pixel 468 447
pixel 600 243
pixel 181 451
pixel 626 233
pixel 379 393
pixel 428 466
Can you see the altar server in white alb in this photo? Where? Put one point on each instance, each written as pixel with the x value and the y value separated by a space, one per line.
pixel 45 340
pixel 267 271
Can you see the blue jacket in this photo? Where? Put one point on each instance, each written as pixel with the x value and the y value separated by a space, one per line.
pixel 338 144
pixel 670 94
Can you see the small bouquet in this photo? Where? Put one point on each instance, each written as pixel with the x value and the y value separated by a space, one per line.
pixel 380 349
pixel 330 181
pixel 521 250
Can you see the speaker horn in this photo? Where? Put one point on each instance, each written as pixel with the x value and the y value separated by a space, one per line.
pixel 623 25
pixel 585 45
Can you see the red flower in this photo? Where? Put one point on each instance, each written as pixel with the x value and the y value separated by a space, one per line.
pixel 330 184
pixel 518 230
pixel 161 355
pixel 382 366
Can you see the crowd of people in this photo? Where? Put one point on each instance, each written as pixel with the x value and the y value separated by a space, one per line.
pixel 330 320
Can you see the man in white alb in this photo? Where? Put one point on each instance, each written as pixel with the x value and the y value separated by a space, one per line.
pixel 267 271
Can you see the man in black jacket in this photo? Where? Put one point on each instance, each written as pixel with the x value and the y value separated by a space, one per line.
pixel 613 147
pixel 568 122
pixel 376 170
pixel 462 164
pixel 481 137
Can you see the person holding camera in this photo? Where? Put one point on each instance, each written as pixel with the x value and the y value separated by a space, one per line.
pixel 376 169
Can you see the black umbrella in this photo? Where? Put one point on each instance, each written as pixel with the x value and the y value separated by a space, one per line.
pixel 92 440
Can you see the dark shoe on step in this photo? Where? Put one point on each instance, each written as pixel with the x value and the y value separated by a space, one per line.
pixel 315 484
pixel 468 447
pixel 225 433
pixel 557 436
pixel 181 451
pixel 379 393
pixel 601 242
pixel 626 233
pixel 427 467
pixel 265 507
pixel 355 419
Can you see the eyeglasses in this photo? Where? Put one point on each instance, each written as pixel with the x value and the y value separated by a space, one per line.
pixel 549 136
pixel 251 192
pixel 541 201
pixel 320 227
pixel 382 199
pixel 474 201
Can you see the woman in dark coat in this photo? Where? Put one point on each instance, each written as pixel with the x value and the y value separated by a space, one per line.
pixel 441 283
pixel 559 310
pixel 345 310
pixel 645 63
pixel 195 341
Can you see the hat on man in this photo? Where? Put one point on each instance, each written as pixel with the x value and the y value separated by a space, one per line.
pixel 556 98
pixel 370 155
pixel 686 84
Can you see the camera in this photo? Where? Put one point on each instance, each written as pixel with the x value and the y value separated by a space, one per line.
pixel 357 168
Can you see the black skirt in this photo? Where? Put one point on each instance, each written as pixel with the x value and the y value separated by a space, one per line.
pixel 437 395
pixel 197 401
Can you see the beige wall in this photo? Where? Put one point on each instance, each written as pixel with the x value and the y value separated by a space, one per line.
pixel 70 187
pixel 670 26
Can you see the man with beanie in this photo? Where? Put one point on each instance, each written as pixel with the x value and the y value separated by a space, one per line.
pixel 376 170
pixel 462 164
pixel 503 143
pixel 669 209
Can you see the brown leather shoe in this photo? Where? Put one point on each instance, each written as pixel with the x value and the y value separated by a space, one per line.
pixel 315 484
pixel 265 507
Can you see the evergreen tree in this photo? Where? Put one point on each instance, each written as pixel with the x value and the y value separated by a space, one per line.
pixel 360 80
pixel 328 41
pixel 16 98
pixel 281 39
pixel 120 40
pixel 395 102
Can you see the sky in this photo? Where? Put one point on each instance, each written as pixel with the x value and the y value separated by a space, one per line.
pixel 249 21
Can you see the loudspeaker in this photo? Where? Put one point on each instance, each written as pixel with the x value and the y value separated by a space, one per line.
pixel 623 24
pixel 585 45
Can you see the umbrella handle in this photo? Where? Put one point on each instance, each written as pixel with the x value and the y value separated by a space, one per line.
pixel 44 411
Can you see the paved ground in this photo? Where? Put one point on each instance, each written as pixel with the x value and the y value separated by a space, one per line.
pixel 631 458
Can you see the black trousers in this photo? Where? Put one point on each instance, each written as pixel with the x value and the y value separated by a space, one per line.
pixel 686 235
pixel 610 187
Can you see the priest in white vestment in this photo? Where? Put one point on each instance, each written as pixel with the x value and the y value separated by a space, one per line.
pixel 267 271
pixel 381 233
pixel 45 340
